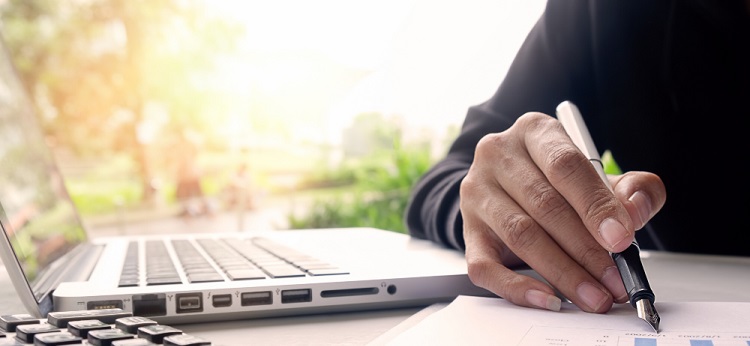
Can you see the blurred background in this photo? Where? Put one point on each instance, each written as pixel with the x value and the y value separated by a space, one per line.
pixel 241 115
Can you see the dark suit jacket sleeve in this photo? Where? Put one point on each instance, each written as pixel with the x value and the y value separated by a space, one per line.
pixel 551 66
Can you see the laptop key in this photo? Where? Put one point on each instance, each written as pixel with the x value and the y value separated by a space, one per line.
pixel 205 277
pixel 129 274
pixel 327 271
pixel 129 279
pixel 283 271
pixel 163 281
pixel 246 274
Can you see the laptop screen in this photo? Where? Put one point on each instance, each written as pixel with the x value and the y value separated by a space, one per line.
pixel 39 218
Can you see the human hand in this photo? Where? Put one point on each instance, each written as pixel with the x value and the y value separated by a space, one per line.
pixel 532 197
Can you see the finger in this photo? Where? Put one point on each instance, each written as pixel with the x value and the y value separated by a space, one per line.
pixel 492 209
pixel 486 270
pixel 529 189
pixel 522 235
pixel 642 193
pixel 572 174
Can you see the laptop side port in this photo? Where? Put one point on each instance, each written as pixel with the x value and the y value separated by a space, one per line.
pixel 296 296
pixel 150 304
pixel 104 304
pixel 221 300
pixel 256 298
pixel 189 302
pixel 349 292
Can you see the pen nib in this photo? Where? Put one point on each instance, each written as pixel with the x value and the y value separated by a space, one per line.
pixel 647 312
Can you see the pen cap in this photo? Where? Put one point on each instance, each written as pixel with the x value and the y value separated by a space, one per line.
pixel 572 120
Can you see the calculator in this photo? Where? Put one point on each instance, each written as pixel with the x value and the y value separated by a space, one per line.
pixel 104 327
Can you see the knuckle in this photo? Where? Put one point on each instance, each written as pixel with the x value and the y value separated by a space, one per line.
pixel 563 161
pixel 469 184
pixel 555 277
pixel 483 272
pixel 478 269
pixel 489 144
pixel 470 192
pixel 519 231
pixel 563 275
pixel 534 120
pixel 545 200
pixel 600 206
pixel 589 256
pixel 496 150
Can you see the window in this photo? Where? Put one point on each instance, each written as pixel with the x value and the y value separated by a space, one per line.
pixel 257 114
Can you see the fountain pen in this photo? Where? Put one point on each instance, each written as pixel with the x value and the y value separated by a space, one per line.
pixel 628 261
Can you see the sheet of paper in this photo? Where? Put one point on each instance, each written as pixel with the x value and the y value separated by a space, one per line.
pixel 493 321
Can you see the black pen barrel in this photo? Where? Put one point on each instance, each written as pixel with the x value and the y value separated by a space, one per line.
pixel 633 275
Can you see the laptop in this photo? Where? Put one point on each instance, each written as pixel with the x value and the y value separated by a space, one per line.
pixel 55 265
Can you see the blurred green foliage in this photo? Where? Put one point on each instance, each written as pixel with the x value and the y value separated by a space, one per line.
pixel 610 166
pixel 136 91
pixel 378 195
pixel 113 77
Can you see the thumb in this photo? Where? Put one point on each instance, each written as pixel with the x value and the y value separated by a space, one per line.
pixel 642 193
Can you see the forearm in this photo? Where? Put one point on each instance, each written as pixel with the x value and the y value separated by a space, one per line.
pixel 433 211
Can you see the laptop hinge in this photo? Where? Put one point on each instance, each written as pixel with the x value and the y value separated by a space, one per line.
pixel 75 266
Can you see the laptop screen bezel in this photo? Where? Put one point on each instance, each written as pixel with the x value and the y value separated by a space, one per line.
pixel 38 308
pixel 36 295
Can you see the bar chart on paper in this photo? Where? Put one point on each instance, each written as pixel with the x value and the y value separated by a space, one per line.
pixel 498 322
pixel 554 336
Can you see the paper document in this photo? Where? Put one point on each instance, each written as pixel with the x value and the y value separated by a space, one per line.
pixel 494 321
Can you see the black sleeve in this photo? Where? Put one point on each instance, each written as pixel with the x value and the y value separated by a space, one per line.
pixel 551 66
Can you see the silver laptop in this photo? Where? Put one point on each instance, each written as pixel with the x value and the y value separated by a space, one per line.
pixel 56 266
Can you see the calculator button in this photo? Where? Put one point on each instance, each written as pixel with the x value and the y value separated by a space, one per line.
pixel 157 333
pixel 83 327
pixel 105 337
pixel 25 333
pixel 185 340
pixel 104 327
pixel 61 319
pixel 131 324
pixel 53 339
pixel 133 342
pixel 10 322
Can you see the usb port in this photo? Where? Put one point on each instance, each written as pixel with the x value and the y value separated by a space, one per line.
pixel 296 296
pixel 222 300
pixel 189 302
pixel 256 298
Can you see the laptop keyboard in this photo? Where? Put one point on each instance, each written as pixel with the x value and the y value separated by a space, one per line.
pixel 215 260
pixel 114 327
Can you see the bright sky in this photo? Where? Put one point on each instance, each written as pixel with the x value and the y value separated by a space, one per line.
pixel 329 60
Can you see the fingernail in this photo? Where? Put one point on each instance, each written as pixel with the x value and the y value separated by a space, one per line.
pixel 591 295
pixel 612 232
pixel 643 205
pixel 612 280
pixel 543 300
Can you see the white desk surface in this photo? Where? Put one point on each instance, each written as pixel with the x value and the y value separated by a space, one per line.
pixel 674 277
